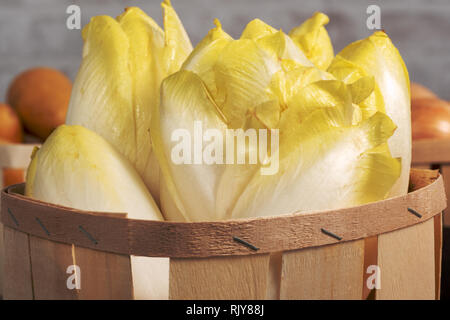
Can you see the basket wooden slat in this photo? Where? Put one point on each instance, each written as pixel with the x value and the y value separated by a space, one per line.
pixel 14 159
pixel 240 277
pixel 438 245
pixel 406 258
pixel 370 259
pixel 18 282
pixel 104 275
pixel 49 261
pixel 329 272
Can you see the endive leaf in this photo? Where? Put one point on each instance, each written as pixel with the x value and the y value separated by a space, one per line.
pixel 190 186
pixel 274 42
pixel 287 82
pixel 243 74
pixel 98 101
pixel 144 36
pixel 205 56
pixel 313 39
pixel 362 88
pixel 358 79
pixel 177 43
pixel 117 86
pixel 325 164
pixel 256 29
pixel 378 57
pixel 79 169
pixel 282 47
pixel 321 94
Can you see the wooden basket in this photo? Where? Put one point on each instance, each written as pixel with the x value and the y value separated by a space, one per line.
pixel 14 160
pixel 435 153
pixel 319 255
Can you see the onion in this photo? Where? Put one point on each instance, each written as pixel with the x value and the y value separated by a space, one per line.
pixel 418 91
pixel 430 118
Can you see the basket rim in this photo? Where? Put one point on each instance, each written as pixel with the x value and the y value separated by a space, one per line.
pixel 115 233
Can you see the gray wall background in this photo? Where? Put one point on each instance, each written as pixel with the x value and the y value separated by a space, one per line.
pixel 34 33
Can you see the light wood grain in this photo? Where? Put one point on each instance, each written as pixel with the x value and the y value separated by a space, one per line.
pixel 103 275
pixel 274 283
pixel 370 259
pixel 445 171
pixel 328 272
pixel 14 159
pixel 18 283
pixel 406 258
pixel 205 239
pixel 243 277
pixel 422 166
pixel 438 253
pixel 49 263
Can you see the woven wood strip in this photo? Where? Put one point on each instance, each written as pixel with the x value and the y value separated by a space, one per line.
pixel 223 238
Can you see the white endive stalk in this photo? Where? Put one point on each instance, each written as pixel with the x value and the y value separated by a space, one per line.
pixel 378 57
pixel 117 86
pixel 332 153
pixel 77 168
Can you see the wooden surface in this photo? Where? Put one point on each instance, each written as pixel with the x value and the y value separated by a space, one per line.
pixel 14 159
pixel 49 262
pixel 203 239
pixel 445 170
pixel 438 237
pixel 234 278
pixel 370 259
pixel 322 273
pixel 103 275
pixel 428 153
pixel 406 258
pixel 18 283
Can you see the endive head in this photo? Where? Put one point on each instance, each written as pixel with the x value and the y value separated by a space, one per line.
pixel 377 57
pixel 263 67
pixel 314 41
pixel 77 168
pixel 117 86
pixel 329 155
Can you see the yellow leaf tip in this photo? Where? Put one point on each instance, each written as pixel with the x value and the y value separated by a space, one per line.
pixel 217 23
pixel 322 17
pixel 34 152
pixel 166 3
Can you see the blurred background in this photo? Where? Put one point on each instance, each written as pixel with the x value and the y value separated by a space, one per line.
pixel 34 32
